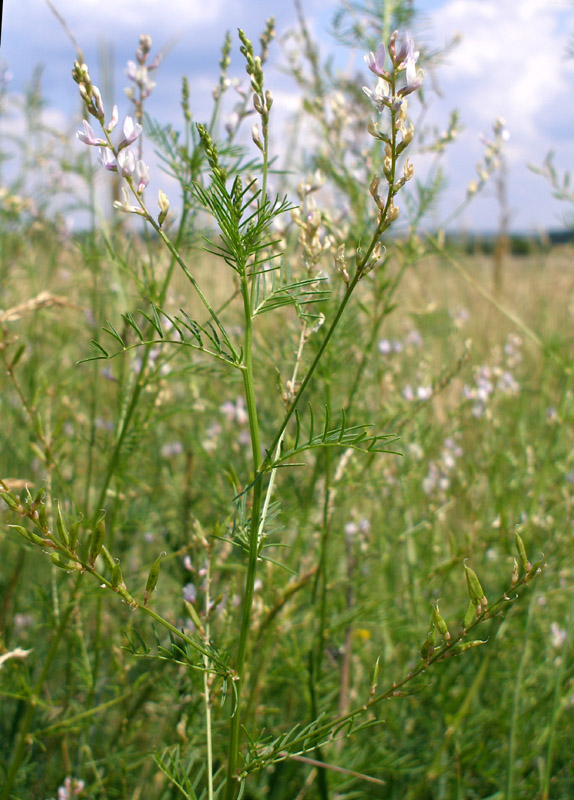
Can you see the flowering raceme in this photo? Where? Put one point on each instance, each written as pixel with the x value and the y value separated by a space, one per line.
pixel 385 93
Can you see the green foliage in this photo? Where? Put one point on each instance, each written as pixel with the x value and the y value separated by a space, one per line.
pixel 212 590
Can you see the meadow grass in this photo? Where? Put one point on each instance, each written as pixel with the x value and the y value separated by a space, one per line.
pixel 206 594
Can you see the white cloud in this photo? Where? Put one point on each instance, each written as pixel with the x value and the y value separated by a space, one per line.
pixel 510 63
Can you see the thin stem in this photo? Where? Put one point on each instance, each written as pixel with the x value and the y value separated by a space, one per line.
pixel 247 600
pixel 516 704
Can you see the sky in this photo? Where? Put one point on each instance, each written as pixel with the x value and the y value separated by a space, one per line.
pixel 511 62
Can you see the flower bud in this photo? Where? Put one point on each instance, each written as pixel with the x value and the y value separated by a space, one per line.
pixel 408 170
pixel 255 136
pixel 163 203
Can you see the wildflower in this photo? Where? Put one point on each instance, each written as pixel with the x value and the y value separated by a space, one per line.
pixel 125 205
pixel 557 635
pixel 107 159
pixel 126 163
pixel 381 96
pixel 376 62
pixel 88 136
pixel 163 203
pixel 171 449
pixel 142 175
pixel 187 564
pixel 131 132
pixel 114 120
pixel 189 592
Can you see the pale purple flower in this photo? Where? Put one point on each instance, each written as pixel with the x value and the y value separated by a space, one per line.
pixel 407 52
pixel 126 163
pixel 189 592
pixel 131 132
pixel 125 205
pixel 376 62
pixel 424 392
pixel 187 563
pixel 108 160
pixel 114 120
pixel 557 635
pixel 381 95
pixel 171 449
pixel 385 347
pixel 142 176
pixel 88 136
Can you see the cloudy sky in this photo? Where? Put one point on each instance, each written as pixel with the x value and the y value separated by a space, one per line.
pixel 511 62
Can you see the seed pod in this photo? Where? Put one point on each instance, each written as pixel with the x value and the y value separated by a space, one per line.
pixel 475 591
pixel 470 615
pixel 375 675
pixel 63 534
pixel 31 537
pixel 98 537
pixel 193 615
pixel 461 647
pixel 117 578
pixel 107 556
pixel 11 501
pixel 152 578
pixel 526 565
pixel 441 625
pixel 63 562
pixel 74 530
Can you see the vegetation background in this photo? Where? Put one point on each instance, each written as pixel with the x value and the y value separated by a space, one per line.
pixel 458 355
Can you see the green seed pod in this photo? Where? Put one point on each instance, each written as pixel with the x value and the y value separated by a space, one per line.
pixel 63 534
pixel 108 560
pixel 426 650
pixel 42 518
pixel 463 646
pixel 526 565
pixel 193 615
pixel 475 591
pixel 63 562
pixel 152 577
pixel 74 530
pixel 375 674
pixel 117 578
pixel 11 501
pixel 98 537
pixel 441 625
pixel 31 537
pixel 470 615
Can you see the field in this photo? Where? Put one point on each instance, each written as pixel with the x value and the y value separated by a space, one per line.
pixel 298 522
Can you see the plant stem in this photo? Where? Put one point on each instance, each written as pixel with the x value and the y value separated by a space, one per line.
pixel 247 600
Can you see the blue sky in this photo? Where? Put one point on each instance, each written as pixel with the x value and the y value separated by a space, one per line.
pixel 510 62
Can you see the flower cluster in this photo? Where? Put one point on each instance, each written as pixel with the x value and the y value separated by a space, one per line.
pixel 384 94
pixel 120 158
pixel 489 380
pixel 439 476
pixel 138 72
pixel 388 95
pixel 492 156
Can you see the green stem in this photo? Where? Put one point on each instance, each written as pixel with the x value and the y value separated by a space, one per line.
pixel 515 705
pixel 247 601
